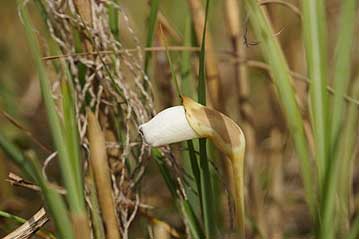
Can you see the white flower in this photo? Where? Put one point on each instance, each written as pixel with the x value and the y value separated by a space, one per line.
pixel 168 126
pixel 193 120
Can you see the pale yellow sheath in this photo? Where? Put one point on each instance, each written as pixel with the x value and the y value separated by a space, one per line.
pixel 228 137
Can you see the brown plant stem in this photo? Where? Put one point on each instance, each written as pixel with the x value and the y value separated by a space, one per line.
pixel 16 180
pixel 30 227
pixel 245 109
pixel 5 190
pixel 276 187
pixel 83 8
pixel 100 167
pixel 295 75
pixel 97 222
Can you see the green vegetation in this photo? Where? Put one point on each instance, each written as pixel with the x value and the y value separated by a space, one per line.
pixel 117 59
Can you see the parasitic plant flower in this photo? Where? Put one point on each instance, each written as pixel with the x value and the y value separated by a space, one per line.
pixel 193 120
pixel 167 127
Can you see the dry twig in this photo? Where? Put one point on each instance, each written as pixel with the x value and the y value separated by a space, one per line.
pixel 30 227
pixel 16 180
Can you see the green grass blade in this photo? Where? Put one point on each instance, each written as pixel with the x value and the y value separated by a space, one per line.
pixel 172 68
pixel 73 196
pixel 314 30
pixel 186 208
pixel 347 154
pixel 206 191
pixel 195 167
pixel 274 57
pixel 192 154
pixel 354 232
pixel 190 160
pixel 202 64
pixel 55 205
pixel 342 64
pixel 191 219
pixel 341 81
pixel 170 182
pixel 17 157
pixel 151 31
pixel 186 75
pixel 72 137
pixel 207 196
pixel 12 217
pixel 186 66
pixel 95 211
pixel 113 20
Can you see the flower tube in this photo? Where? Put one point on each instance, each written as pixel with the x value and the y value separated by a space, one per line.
pixel 193 120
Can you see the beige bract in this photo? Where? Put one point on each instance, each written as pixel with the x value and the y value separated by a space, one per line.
pixel 193 120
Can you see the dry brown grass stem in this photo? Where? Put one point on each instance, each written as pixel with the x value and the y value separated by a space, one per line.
pixel 309 135
pixel 287 4
pixel 276 187
pixel 238 49
pixel 31 226
pixel 153 49
pixel 233 18
pixel 213 81
pixel 6 190
pixel 83 7
pixel 100 167
pixel 80 225
pixel 245 110
pixel 240 74
pixel 16 180
pixel 295 75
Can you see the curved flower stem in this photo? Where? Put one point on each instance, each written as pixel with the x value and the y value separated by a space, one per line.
pixel 193 120
pixel 229 138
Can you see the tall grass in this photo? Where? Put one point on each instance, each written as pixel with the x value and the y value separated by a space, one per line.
pixel 315 37
pixel 180 199
pixel 118 159
pixel 335 161
pixel 66 148
pixel 284 85
pixel 326 136
pixel 151 31
pixel 207 193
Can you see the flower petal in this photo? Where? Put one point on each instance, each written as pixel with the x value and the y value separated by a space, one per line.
pixel 168 126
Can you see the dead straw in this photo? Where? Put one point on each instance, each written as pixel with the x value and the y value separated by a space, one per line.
pixel 100 167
